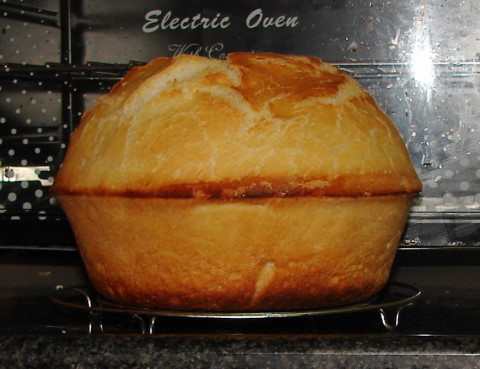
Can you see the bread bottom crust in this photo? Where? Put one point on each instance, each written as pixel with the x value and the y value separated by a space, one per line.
pixel 260 254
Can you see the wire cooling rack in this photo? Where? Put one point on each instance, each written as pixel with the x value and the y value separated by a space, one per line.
pixel 388 303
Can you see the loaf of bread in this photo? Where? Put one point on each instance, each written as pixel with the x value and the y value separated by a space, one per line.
pixel 259 182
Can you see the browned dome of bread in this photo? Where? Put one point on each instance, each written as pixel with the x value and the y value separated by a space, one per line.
pixel 251 125
pixel 262 181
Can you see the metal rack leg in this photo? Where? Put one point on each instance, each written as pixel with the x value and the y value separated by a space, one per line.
pixel 384 316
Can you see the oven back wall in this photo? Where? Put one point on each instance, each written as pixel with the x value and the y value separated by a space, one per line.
pixel 420 62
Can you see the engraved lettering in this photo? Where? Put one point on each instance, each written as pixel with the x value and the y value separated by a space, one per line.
pixel 191 49
pixel 215 23
pixel 225 22
pixel 173 23
pixel 213 51
pixel 280 21
pixel 256 19
pixel 195 21
pixel 184 23
pixel 267 22
pixel 152 21
pixel 292 22
pixel 156 19
pixel 165 20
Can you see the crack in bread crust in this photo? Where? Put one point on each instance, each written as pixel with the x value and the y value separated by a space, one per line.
pixel 352 186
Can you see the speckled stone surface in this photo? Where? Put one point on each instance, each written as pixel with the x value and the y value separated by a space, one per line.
pixel 242 351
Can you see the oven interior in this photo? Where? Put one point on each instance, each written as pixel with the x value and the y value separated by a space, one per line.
pixel 420 61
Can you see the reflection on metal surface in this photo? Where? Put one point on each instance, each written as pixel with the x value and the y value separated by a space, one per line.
pixel 20 174
pixel 421 57
pixel 422 63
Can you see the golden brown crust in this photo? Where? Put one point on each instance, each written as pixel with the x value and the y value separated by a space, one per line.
pixel 249 254
pixel 193 125
pixel 259 182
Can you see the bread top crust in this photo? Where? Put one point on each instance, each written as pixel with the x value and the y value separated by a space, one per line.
pixel 252 125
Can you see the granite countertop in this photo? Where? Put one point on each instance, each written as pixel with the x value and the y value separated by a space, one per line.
pixel 441 330
pixel 238 351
